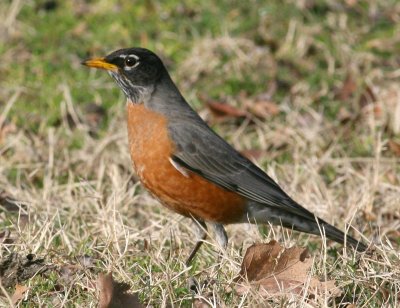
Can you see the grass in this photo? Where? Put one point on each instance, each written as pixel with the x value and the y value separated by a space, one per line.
pixel 63 145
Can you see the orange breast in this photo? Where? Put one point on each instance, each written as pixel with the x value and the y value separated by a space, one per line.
pixel 191 195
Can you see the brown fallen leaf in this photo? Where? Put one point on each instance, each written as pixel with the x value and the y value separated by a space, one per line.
pixel 224 110
pixel 263 108
pixel 394 147
pixel 105 285
pixel 272 269
pixel 19 293
pixel 113 294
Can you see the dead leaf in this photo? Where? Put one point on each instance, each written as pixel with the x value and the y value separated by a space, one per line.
pixel 105 284
pixel 394 147
pixel 113 294
pixel 263 109
pixel 273 269
pixel 19 293
pixel 222 110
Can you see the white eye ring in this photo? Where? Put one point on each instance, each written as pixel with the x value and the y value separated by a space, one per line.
pixel 131 62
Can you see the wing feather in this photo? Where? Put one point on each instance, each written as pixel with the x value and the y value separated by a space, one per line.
pixel 215 160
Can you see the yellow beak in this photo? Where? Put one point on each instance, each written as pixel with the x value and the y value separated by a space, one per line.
pixel 100 63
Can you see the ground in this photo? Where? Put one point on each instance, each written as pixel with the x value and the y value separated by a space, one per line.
pixel 313 90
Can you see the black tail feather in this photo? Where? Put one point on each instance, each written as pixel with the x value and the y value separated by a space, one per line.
pixel 322 228
pixel 340 237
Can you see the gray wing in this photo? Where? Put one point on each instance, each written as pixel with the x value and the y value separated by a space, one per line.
pixel 203 152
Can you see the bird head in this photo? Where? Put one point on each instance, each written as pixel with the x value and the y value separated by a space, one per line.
pixel 135 70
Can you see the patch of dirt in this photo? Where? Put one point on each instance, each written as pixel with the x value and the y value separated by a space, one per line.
pixel 16 268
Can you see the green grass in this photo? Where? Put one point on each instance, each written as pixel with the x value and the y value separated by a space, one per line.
pixel 77 180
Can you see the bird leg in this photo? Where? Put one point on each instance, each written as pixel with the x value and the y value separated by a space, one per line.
pixel 201 230
pixel 222 239
pixel 220 234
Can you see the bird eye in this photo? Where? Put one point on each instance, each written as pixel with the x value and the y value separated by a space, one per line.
pixel 131 61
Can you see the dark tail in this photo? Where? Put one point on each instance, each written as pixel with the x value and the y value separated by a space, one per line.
pixel 331 232
pixel 338 236
pixel 308 222
pixel 302 220
pixel 310 225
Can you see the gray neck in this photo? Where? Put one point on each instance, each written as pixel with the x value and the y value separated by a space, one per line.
pixel 166 99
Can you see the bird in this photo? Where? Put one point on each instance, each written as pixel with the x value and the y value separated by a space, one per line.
pixel 188 167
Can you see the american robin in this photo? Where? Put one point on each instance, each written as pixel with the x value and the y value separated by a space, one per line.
pixel 188 167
